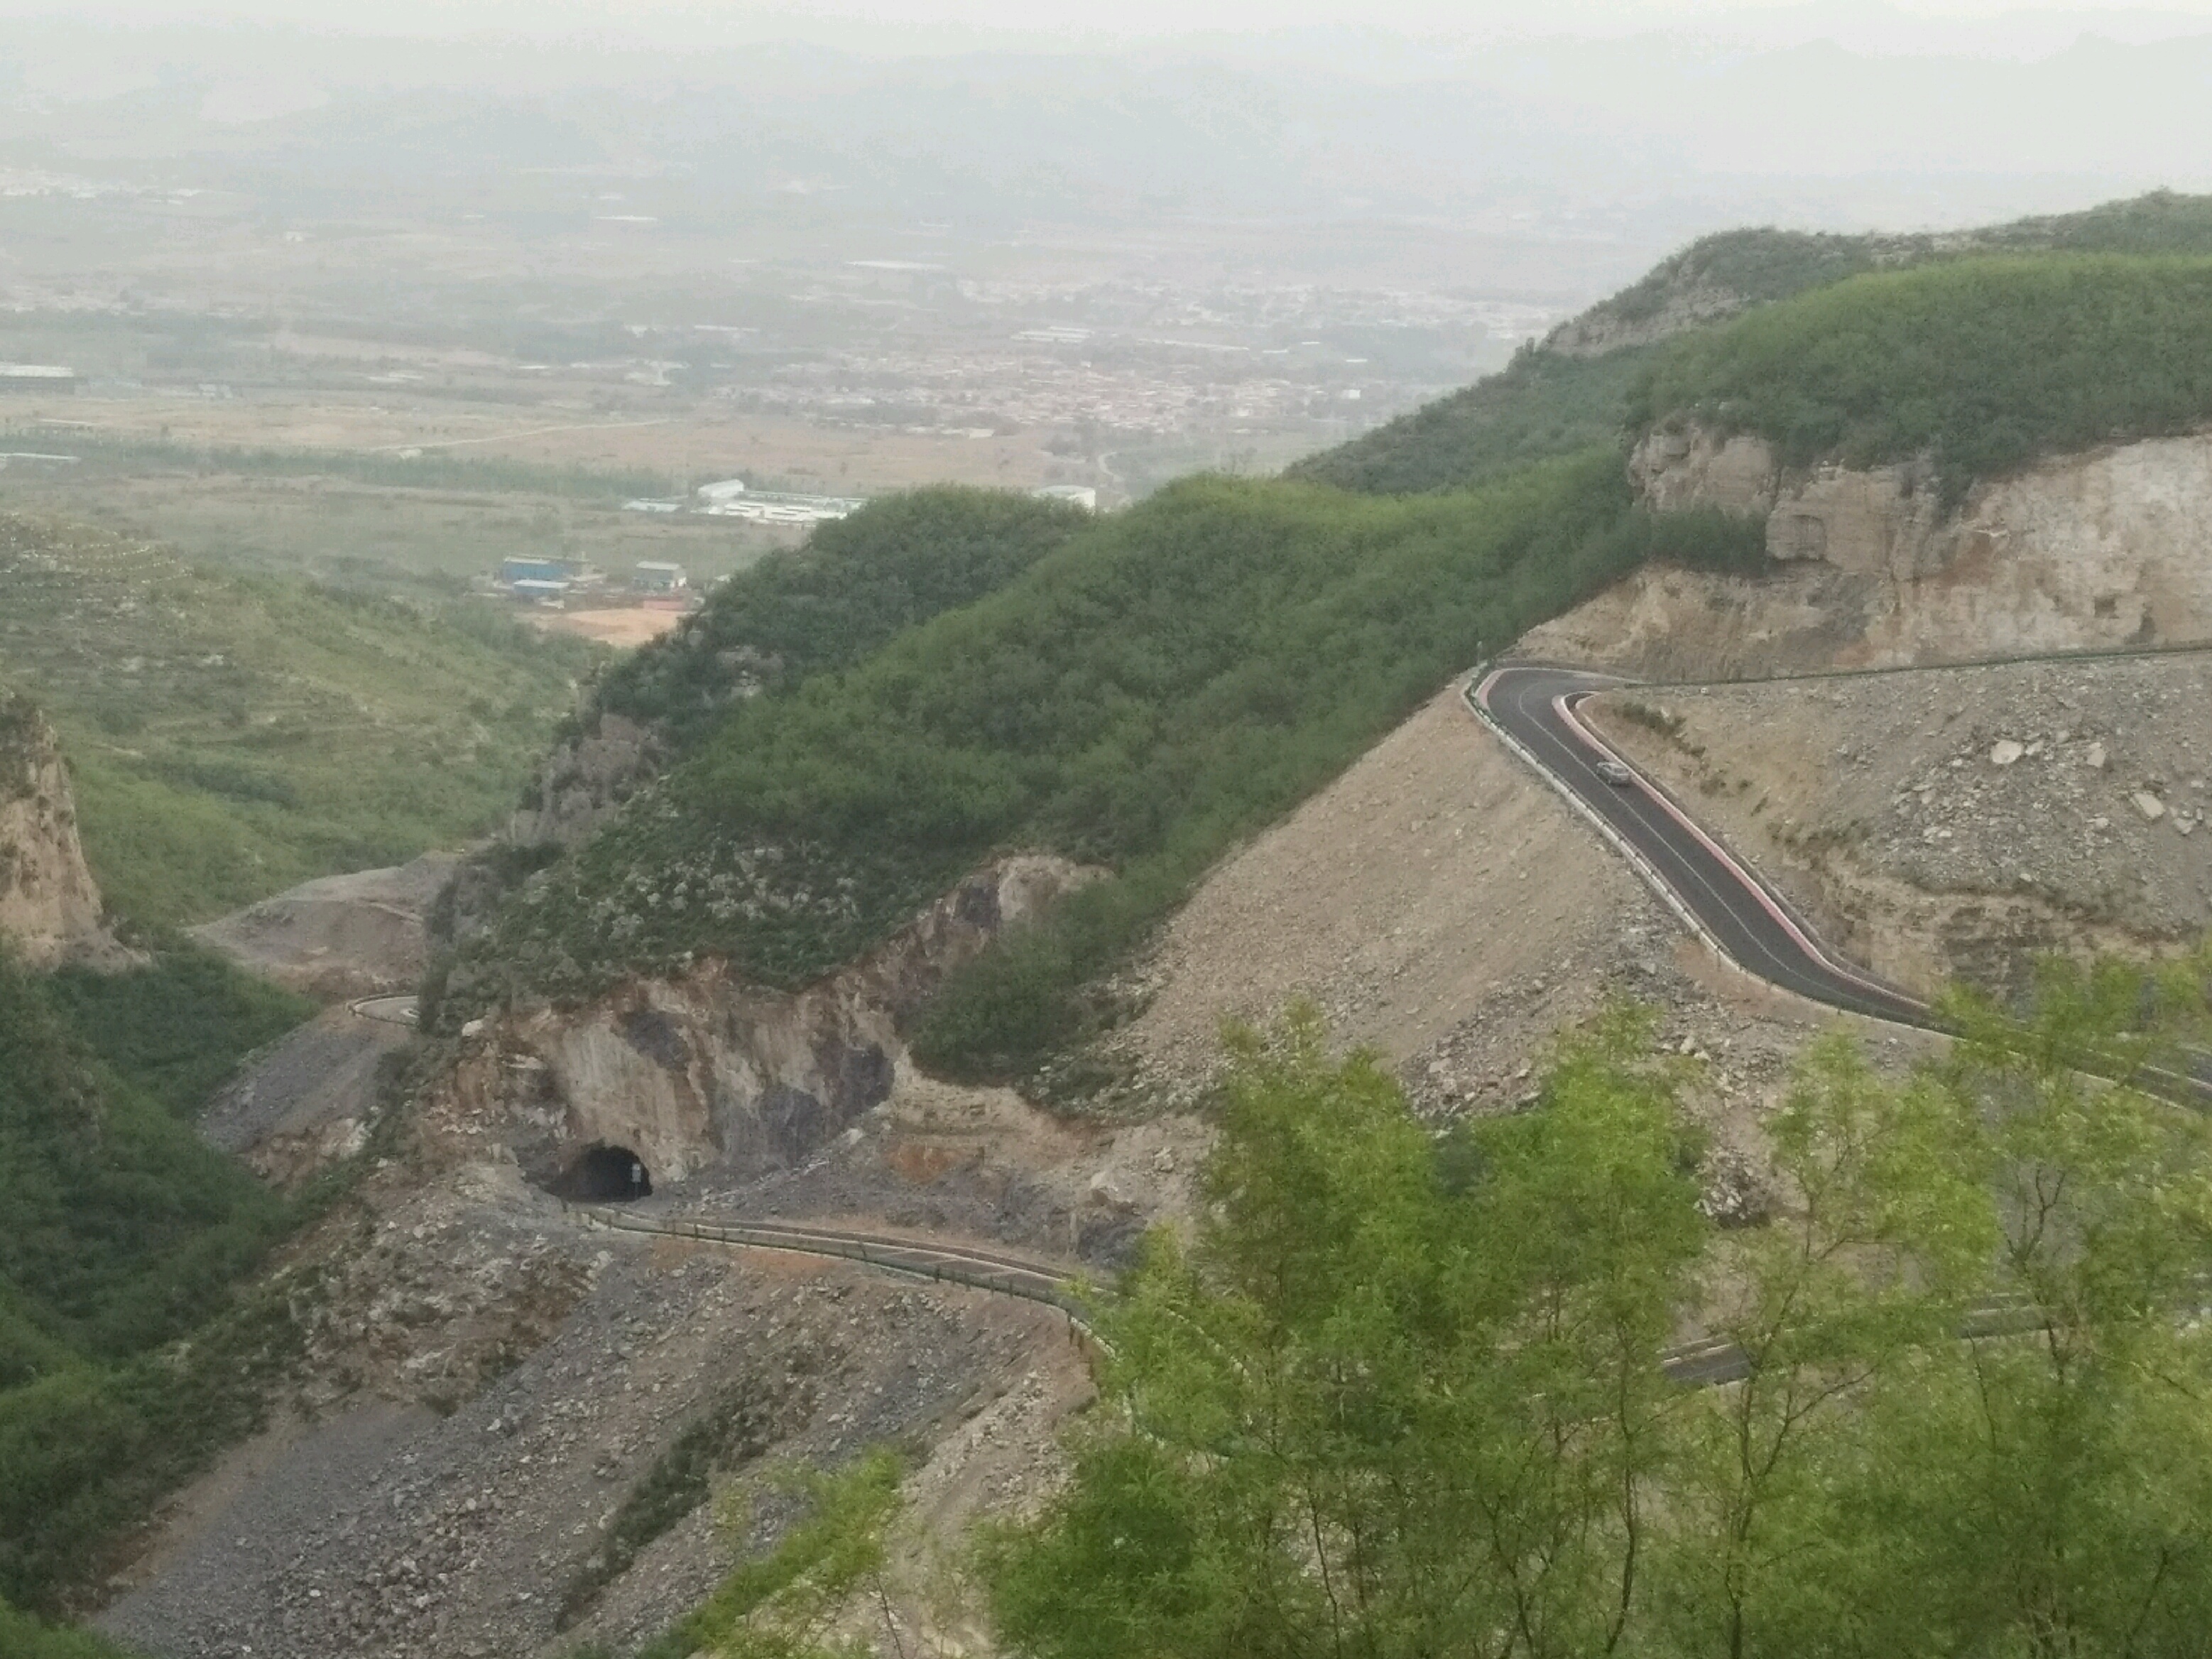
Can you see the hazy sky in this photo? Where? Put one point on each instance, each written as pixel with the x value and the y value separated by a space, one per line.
pixel 1928 24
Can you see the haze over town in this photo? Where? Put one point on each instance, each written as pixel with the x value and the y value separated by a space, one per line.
pixel 1023 829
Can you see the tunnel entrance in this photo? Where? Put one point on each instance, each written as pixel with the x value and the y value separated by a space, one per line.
pixel 603 1173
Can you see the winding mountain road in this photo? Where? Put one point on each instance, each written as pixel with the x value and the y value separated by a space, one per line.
pixel 1697 1364
pixel 1716 893
pixel 1532 709
pixel 1726 903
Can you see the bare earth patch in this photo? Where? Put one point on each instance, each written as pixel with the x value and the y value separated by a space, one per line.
pixel 1436 880
pixel 625 629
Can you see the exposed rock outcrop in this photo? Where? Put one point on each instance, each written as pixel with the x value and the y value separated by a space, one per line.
pixel 582 784
pixel 1690 302
pixel 705 1070
pixel 584 780
pixel 50 909
pixel 1677 468
pixel 2106 548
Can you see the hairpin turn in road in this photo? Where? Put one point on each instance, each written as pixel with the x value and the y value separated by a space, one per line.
pixel 1738 913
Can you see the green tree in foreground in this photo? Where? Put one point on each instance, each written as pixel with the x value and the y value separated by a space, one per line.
pixel 1408 1397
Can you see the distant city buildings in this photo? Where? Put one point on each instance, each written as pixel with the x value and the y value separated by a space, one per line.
pixel 731 498
pixel 38 377
pixel 1081 495
pixel 546 580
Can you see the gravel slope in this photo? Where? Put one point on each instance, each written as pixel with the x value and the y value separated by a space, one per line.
pixel 1955 821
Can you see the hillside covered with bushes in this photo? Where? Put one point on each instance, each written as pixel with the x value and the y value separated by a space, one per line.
pixel 125 1232
pixel 1578 388
pixel 855 583
pixel 1980 365
pixel 1142 693
pixel 1167 681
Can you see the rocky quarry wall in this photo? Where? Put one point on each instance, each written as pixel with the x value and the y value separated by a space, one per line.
pixel 2110 548
pixel 705 1071
pixel 50 909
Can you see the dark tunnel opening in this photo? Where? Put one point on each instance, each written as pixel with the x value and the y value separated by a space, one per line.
pixel 603 1173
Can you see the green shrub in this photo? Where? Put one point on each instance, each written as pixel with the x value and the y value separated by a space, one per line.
pixel 23 1637
pixel 899 561
pixel 1168 681
pixel 124 1231
pixel 1400 1395
pixel 125 1228
pixel 1542 405
pixel 177 1027
pixel 1981 365
pixel 89 1450
pixel 1697 538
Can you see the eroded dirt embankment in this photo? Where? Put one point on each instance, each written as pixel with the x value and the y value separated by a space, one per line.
pixel 339 936
pixel 1440 904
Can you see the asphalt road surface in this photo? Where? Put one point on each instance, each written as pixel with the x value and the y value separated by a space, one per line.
pixel 927 1258
pixel 1748 918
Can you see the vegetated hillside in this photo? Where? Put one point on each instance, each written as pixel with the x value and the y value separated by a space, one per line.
pixel 1165 683
pixel 1979 365
pixel 230 738
pixel 854 583
pixel 1544 404
pixel 1574 389
pixel 124 1230
pixel 1176 677
pixel 857 581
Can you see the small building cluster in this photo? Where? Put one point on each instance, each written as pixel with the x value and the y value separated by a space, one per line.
pixel 546 580
pixel 552 582
pixel 38 377
pixel 1081 495
pixel 730 498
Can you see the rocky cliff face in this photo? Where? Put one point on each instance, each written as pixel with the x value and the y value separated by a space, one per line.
pixel 706 1070
pixel 584 780
pixel 1690 303
pixel 50 909
pixel 2106 549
